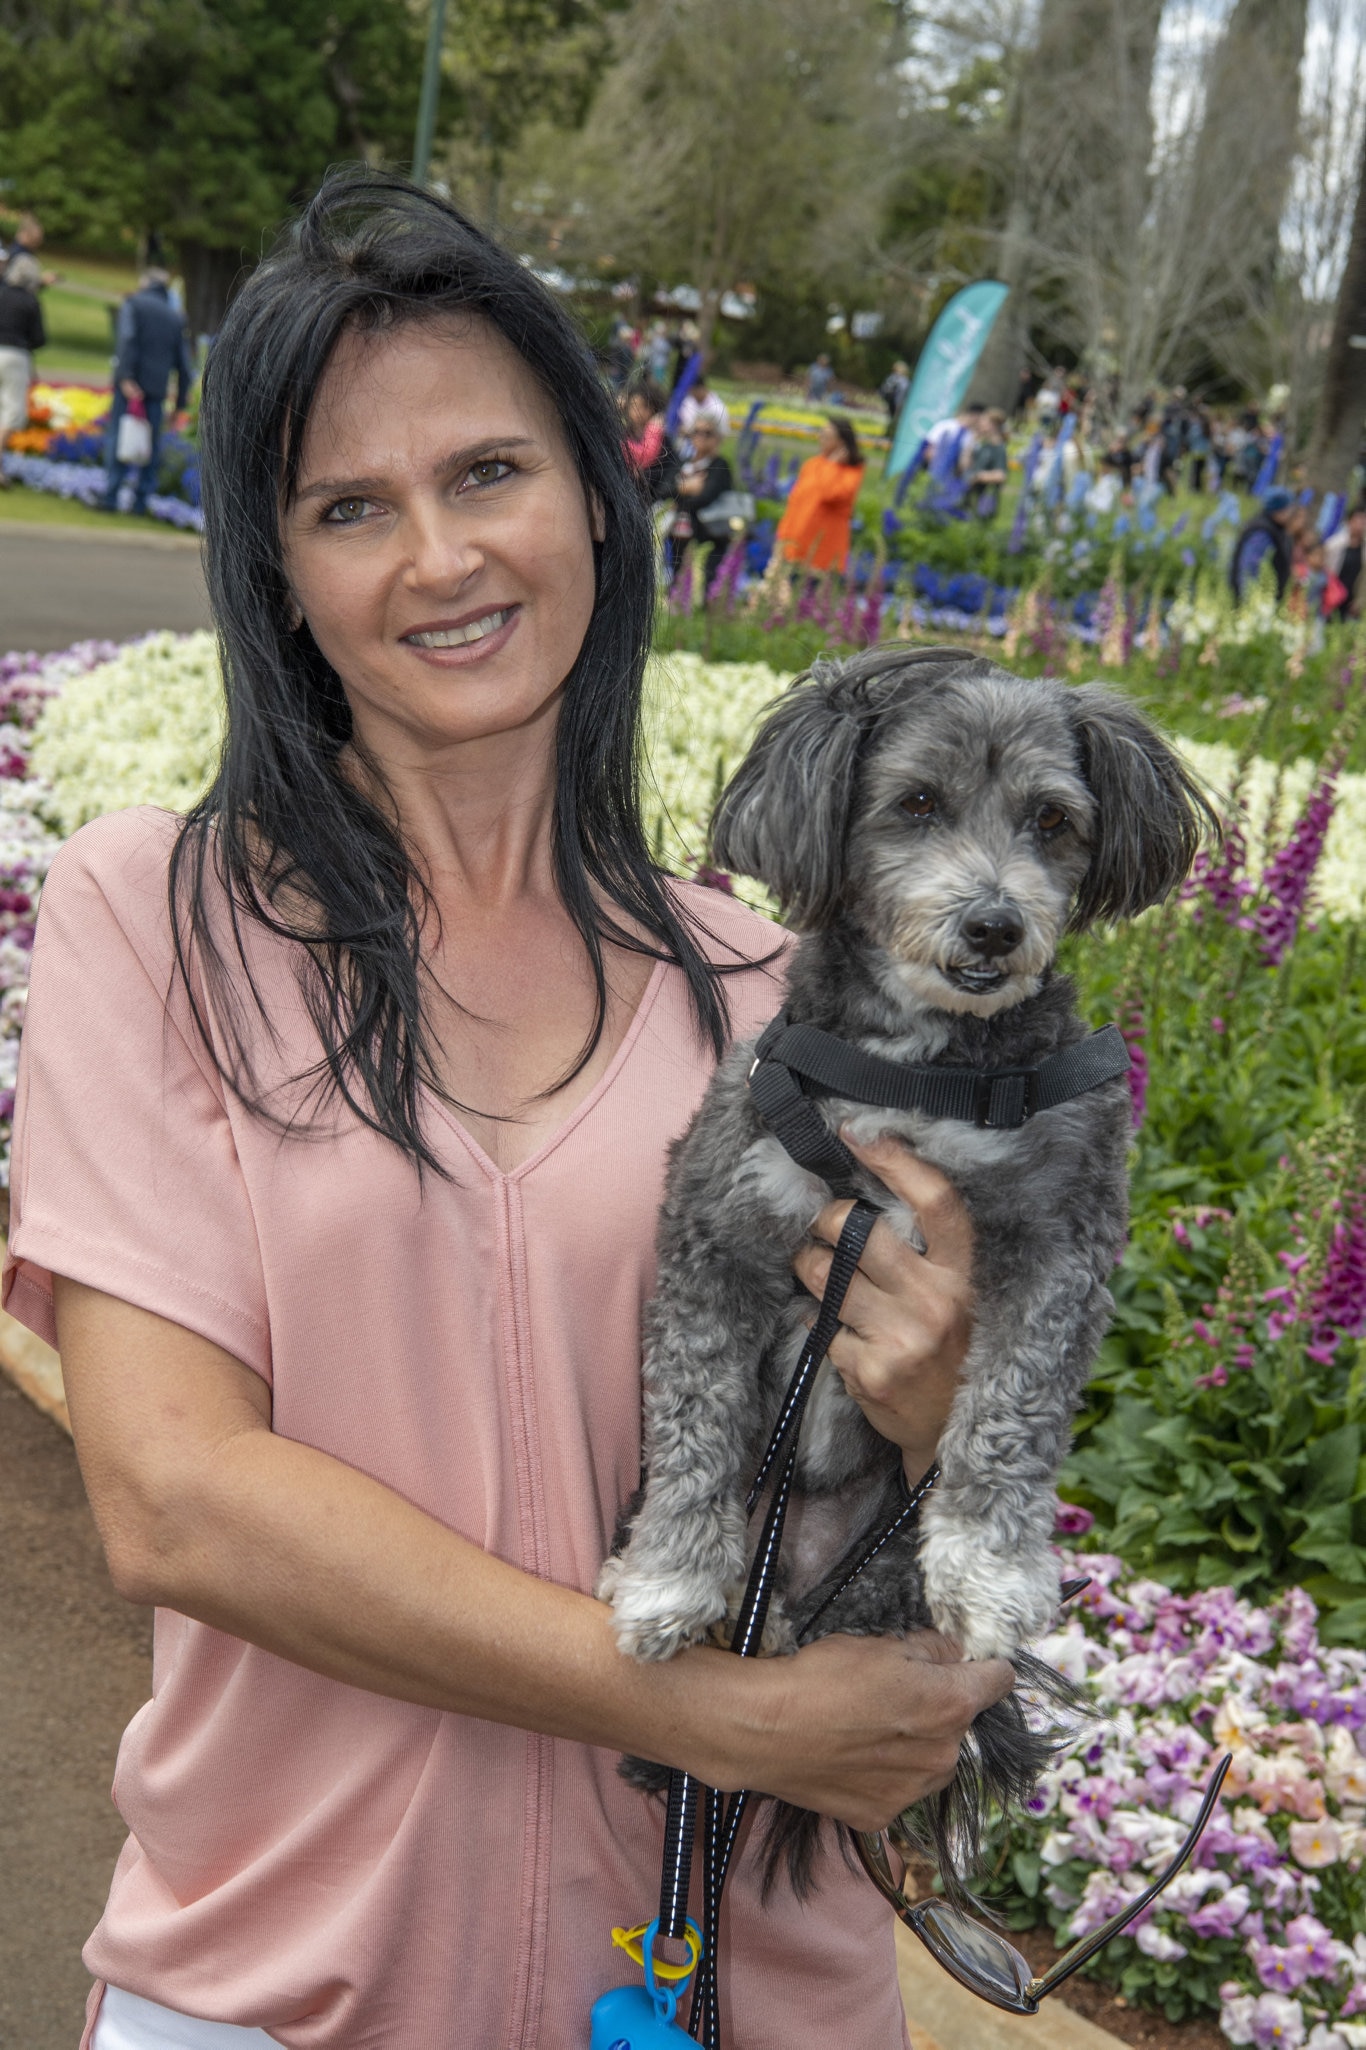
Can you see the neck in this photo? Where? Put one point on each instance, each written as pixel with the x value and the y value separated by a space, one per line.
pixel 477 815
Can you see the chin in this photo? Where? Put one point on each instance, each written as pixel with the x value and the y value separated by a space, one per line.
pixel 931 987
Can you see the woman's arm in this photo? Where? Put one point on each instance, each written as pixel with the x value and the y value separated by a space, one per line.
pixel 204 1509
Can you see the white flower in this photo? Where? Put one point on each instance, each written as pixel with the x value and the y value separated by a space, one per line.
pixel 1346 1773
pixel 1156 1943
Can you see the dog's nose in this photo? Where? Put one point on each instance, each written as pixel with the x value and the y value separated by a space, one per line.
pixel 993 930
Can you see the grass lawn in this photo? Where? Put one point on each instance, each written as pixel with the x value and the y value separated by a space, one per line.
pixel 78 314
pixel 41 508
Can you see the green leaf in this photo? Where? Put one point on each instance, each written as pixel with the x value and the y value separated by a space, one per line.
pixel 1332 1466
pixel 1027 1866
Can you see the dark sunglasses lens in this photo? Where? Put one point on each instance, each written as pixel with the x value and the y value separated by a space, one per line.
pixel 973 1952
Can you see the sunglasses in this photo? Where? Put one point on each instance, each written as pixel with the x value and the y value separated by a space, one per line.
pixel 978 1957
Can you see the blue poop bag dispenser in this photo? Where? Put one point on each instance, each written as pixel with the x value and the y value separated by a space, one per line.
pixel 642 2017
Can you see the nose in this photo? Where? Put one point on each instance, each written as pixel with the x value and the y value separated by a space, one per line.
pixel 993 929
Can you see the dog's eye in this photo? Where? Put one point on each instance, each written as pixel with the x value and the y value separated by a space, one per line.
pixel 1052 818
pixel 920 804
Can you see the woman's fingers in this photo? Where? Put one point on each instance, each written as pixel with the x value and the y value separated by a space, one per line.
pixel 943 1219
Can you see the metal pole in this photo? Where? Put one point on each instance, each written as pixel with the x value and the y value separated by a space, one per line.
pixel 431 86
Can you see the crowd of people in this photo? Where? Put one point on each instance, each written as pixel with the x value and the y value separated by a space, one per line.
pixel 150 345
pixel 675 446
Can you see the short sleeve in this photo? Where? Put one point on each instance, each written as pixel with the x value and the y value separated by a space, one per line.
pixel 125 1172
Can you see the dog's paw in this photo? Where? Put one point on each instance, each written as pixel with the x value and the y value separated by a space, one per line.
pixel 779 1638
pixel 655 1615
pixel 991 1603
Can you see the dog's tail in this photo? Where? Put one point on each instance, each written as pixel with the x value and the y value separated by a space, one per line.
pixel 1008 1748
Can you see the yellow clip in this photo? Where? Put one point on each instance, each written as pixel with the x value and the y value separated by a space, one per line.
pixel 629 1940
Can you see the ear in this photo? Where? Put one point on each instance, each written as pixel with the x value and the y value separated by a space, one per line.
pixel 783 817
pixel 1151 814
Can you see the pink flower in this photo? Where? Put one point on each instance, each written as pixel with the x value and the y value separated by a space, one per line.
pixel 1071 1521
pixel 1315 1844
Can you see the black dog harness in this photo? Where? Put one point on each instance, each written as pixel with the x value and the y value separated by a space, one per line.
pixel 795 1065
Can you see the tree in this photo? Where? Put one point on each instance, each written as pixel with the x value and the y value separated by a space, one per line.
pixel 1251 124
pixel 730 134
pixel 509 64
pixel 1342 405
pixel 199 121
pixel 1080 129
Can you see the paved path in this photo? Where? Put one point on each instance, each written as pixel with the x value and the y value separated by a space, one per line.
pixel 64 584
pixel 75 1662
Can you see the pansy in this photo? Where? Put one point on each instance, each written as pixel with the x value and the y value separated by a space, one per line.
pixel 1315 1844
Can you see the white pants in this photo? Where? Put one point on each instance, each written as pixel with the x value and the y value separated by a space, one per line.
pixel 16 374
pixel 128 2023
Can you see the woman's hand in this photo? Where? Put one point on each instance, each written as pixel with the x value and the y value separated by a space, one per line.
pixel 907 1320
pixel 854 1727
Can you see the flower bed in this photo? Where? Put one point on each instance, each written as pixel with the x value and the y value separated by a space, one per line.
pixel 1265 1927
pixel 62 451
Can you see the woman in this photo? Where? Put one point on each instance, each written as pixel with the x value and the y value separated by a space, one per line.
pixel 705 477
pixel 814 528
pixel 339 1204
pixel 649 450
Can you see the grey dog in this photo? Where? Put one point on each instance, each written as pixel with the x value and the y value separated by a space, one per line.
pixel 931 825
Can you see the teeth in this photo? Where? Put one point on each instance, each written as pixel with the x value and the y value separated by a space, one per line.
pixel 461 636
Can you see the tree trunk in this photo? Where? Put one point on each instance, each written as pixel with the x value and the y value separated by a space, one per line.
pixel 1342 408
pixel 1252 112
pixel 211 278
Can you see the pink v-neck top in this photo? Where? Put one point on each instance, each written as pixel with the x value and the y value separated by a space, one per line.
pixel 345 1871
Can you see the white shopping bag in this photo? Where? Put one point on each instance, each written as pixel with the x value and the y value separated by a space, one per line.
pixel 134 444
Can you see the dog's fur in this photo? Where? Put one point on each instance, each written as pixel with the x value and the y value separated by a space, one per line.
pixel 901 806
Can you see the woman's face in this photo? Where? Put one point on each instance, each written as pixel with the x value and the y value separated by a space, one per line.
pixel 829 443
pixel 439 546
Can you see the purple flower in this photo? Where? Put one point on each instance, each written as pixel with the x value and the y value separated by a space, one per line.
pixel 1277 2023
pixel 1319 1945
pixel 1282 1967
pixel 1288 875
pixel 1338 1309
pixel 1222 1915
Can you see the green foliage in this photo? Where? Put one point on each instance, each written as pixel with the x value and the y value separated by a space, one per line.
pixel 1215 1449
pixel 204 122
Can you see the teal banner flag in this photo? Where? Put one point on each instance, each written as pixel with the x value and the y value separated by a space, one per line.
pixel 945 368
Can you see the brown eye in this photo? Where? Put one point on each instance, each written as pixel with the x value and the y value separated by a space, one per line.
pixel 921 804
pixel 1052 819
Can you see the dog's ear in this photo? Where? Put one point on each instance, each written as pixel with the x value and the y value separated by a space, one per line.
pixel 1151 814
pixel 784 816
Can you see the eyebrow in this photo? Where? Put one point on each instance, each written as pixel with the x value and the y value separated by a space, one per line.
pixel 354 487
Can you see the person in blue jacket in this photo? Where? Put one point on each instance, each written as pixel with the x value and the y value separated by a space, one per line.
pixel 151 343
pixel 1267 534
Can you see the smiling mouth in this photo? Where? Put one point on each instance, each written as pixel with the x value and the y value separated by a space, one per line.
pixel 462 636
pixel 977 982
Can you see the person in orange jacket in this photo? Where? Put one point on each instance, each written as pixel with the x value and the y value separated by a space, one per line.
pixel 814 528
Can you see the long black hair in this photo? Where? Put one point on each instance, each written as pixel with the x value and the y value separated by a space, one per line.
pixel 844 427
pixel 296 845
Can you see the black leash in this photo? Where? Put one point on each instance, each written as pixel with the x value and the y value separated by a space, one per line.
pixel 684 1791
